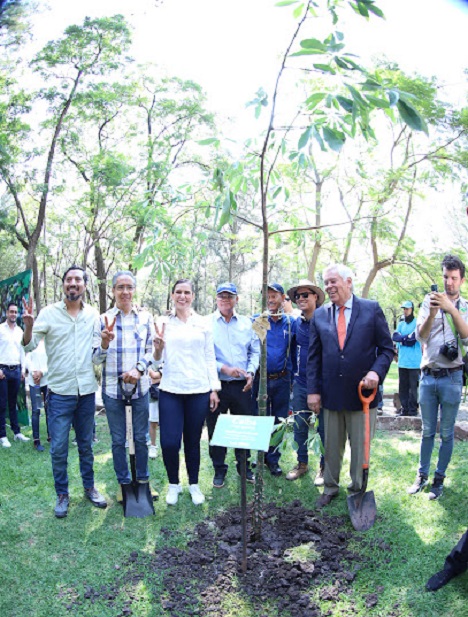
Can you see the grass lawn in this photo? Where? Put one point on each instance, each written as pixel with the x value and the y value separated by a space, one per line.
pixel 45 563
pixel 391 381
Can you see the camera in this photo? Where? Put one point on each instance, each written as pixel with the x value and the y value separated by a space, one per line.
pixel 434 287
pixel 449 351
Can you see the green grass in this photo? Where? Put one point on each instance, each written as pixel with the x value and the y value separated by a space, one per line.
pixel 391 381
pixel 46 563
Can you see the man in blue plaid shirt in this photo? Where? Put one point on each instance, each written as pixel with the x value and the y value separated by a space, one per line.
pixel 124 346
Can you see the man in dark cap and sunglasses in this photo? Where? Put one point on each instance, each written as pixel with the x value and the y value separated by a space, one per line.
pixel 308 297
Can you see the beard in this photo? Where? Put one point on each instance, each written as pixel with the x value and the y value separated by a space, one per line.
pixel 73 296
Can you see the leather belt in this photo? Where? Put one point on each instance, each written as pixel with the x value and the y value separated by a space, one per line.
pixel 277 375
pixel 441 372
pixel 11 367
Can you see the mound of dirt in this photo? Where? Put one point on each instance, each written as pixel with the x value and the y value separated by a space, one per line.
pixel 298 551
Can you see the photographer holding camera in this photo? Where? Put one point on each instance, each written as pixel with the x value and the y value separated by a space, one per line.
pixel 442 329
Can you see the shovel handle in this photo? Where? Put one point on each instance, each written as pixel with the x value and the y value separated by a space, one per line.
pixel 366 400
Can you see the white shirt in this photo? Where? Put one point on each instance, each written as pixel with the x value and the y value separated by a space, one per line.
pixel 37 361
pixel 189 357
pixel 11 351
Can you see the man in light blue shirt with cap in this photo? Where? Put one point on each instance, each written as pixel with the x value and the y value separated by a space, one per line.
pixel 237 350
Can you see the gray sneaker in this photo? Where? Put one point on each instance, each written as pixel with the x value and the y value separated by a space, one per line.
pixel 418 485
pixel 95 497
pixel 61 506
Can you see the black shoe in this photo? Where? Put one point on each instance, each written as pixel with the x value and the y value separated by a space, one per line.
pixel 95 497
pixel 61 506
pixel 249 474
pixel 437 488
pixel 275 469
pixel 38 446
pixel 218 480
pixel 440 579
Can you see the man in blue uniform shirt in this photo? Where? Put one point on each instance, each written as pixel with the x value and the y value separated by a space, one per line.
pixel 308 297
pixel 237 350
pixel 281 362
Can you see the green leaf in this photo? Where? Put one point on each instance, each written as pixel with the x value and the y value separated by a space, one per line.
pixel 334 138
pixel 208 142
pixel 226 211
pixel 315 99
pixel 306 52
pixel 313 44
pixel 326 68
pixel 411 117
pixel 304 139
pixel 319 139
pixel 375 9
pixel 377 102
pixel 393 97
pixel 346 104
pixel 298 10
pixel 286 2
pixel 276 193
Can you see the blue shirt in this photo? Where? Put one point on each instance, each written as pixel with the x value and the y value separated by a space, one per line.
pixel 408 356
pixel 236 344
pixel 280 338
pixel 302 341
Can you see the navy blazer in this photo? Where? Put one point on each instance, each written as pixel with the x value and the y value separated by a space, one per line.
pixel 335 374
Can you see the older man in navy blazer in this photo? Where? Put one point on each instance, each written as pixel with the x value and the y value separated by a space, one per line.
pixel 349 342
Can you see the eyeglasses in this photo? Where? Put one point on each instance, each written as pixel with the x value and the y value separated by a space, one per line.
pixel 305 295
pixel 124 287
pixel 225 297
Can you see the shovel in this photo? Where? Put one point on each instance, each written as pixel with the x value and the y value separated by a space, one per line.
pixel 137 500
pixel 361 506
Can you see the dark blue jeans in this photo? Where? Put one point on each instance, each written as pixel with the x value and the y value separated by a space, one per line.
pixel 279 393
pixel 182 415
pixel 238 403
pixel 301 424
pixel 38 394
pixel 9 387
pixel 63 411
pixel 115 412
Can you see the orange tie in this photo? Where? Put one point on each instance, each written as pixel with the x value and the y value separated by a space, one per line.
pixel 341 327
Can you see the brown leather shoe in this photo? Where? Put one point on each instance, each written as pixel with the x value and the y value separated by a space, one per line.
pixel 299 470
pixel 324 500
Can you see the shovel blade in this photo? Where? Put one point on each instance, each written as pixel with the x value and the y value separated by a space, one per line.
pixel 362 510
pixel 137 500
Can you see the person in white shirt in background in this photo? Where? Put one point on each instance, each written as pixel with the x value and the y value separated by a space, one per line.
pixel 36 371
pixel 188 389
pixel 11 374
pixel 155 377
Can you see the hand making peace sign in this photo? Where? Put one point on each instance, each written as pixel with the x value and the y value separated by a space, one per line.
pixel 28 315
pixel 107 335
pixel 159 341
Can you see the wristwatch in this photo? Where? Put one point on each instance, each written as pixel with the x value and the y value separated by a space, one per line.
pixel 141 367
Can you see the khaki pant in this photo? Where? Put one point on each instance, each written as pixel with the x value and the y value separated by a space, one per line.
pixel 340 426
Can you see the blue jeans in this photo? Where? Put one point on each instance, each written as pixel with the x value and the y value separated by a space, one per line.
pixel 301 424
pixel 115 412
pixel 9 387
pixel 38 394
pixel 279 393
pixel 444 392
pixel 182 415
pixel 63 411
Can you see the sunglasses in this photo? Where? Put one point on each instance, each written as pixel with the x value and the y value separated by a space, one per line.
pixel 305 295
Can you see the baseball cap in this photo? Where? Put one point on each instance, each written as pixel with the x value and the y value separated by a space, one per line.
pixel 230 288
pixel 407 304
pixel 276 287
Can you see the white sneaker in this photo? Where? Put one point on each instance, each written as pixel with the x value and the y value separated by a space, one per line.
pixel 21 437
pixel 153 451
pixel 197 496
pixel 5 442
pixel 173 494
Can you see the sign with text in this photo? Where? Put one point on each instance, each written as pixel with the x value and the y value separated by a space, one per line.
pixel 247 432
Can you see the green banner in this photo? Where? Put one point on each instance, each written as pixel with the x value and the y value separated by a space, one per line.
pixel 14 289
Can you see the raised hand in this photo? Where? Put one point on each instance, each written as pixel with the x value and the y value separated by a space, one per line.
pixel 108 334
pixel 159 341
pixel 28 312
